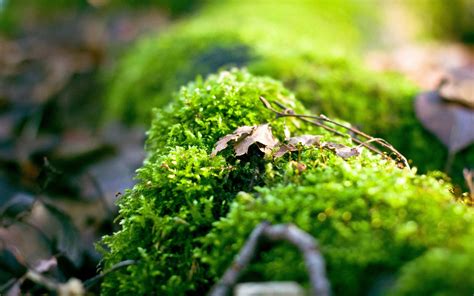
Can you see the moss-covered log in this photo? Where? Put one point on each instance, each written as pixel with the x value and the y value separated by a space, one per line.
pixel 189 213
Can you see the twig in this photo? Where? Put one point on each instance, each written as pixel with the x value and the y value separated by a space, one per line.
pixel 243 259
pixel 288 232
pixel 318 122
pixel 96 279
pixel 72 287
pixel 469 178
pixel 309 247
pixel 38 278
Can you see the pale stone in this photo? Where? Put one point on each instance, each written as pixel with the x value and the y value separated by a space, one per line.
pixel 269 289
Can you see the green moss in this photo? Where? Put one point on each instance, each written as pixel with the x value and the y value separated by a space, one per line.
pixel 444 272
pixel 148 76
pixel 370 219
pixel 369 215
pixel 226 34
pixel 181 190
pixel 379 104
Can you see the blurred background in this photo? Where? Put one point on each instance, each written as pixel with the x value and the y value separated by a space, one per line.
pixel 78 80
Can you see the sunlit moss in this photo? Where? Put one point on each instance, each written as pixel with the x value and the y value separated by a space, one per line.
pixel 296 45
pixel 189 213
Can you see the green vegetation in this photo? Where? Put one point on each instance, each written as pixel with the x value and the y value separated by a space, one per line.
pixel 370 219
pixel 229 34
pixel 380 104
pixel 181 190
pixel 445 20
pixel 444 271
pixel 190 213
pixel 12 12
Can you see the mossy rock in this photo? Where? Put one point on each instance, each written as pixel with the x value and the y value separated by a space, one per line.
pixel 189 213
pixel 378 103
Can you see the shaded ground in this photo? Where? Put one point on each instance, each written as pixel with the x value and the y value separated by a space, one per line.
pixel 60 167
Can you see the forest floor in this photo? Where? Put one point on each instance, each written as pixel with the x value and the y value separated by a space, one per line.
pixel 62 168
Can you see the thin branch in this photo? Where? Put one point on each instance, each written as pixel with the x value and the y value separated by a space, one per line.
pixel 96 279
pixel 334 131
pixel 309 248
pixel 38 278
pixel 287 112
pixel 288 232
pixel 72 287
pixel 469 178
pixel 243 260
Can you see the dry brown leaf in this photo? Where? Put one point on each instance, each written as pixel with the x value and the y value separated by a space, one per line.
pixel 284 148
pixel 342 151
pixel 305 140
pixel 261 134
pixel 452 124
pixel 237 134
pixel 458 87
pixel 246 136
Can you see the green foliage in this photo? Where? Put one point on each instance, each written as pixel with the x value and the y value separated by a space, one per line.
pixel 185 219
pixel 380 104
pixel 148 76
pixel 370 219
pixel 439 19
pixel 14 12
pixel 181 190
pixel 445 272
pixel 227 34
pixel 207 110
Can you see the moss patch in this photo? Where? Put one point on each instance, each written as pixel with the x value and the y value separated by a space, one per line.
pixel 369 215
pixel 380 104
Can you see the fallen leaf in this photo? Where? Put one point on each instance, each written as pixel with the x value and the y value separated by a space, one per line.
pixel 292 145
pixel 305 140
pixel 458 87
pixel 284 148
pixel 261 134
pixel 244 137
pixel 237 134
pixel 452 124
pixel 342 151
pixel 68 237
pixel 19 204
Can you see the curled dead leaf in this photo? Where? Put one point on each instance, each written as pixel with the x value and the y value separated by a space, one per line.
pixel 237 134
pixel 342 151
pixel 284 148
pixel 292 144
pixel 458 87
pixel 260 134
pixel 305 140
pixel 245 136
pixel 453 124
